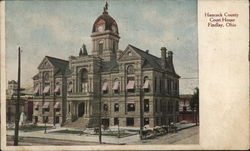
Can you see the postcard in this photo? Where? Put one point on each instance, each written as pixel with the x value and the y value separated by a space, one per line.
pixel 125 75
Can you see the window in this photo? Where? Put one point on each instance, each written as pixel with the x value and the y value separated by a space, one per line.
pixel 176 106
pixel 146 121
pixel 130 84
pixel 146 105
pixel 157 121
pixel 114 46
pixel 105 107
pixel 83 80
pixel 69 108
pixel 46 107
pixel 45 119
pixel 57 119
pixel 57 107
pixel 57 89
pixel 131 107
pixel 105 87
pixel 36 106
pixel 160 85
pixel 161 106
pixel 175 88
pixel 116 121
pixel 130 69
pixel 146 84
pixel 156 105
pixel 116 86
pixel 70 87
pixel 169 86
pixel 100 45
pixel 46 89
pixel 116 107
pixel 130 53
pixel 184 108
pixel 155 84
pixel 36 91
pixel 129 121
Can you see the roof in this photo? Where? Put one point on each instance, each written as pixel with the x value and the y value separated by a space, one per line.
pixel 109 66
pixel 60 64
pixel 109 21
pixel 152 61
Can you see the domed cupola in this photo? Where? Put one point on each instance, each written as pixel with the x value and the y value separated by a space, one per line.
pixel 105 22
pixel 105 36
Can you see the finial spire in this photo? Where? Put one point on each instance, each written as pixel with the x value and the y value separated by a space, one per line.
pixel 105 8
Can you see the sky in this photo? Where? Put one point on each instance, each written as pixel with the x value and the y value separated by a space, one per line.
pixel 59 28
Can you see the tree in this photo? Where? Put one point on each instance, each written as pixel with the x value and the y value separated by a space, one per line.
pixel 194 103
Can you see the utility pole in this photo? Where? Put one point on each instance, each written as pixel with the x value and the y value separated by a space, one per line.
pixel 18 99
pixel 141 113
pixel 100 108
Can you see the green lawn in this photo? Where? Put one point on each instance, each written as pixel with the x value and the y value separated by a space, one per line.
pixel 31 128
pixel 66 131
pixel 122 134
pixel 69 132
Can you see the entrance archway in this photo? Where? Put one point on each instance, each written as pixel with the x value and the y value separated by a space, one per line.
pixel 81 109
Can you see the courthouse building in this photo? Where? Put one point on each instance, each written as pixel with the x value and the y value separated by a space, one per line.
pixel 70 91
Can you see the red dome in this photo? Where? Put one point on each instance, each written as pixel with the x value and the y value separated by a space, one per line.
pixel 107 20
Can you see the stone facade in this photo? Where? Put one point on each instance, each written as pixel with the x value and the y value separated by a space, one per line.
pixel 118 79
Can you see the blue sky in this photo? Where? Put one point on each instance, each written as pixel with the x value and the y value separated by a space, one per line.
pixel 59 28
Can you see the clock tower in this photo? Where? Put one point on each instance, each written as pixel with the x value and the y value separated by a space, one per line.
pixel 105 36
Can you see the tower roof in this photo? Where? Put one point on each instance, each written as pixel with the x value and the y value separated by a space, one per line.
pixel 105 19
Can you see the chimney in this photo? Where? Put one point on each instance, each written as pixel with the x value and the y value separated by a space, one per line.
pixel 170 57
pixel 147 51
pixel 163 57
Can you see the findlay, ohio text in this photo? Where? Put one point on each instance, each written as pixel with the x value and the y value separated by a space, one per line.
pixel 221 19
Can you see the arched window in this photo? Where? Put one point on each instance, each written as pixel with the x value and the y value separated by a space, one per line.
pixel 130 69
pixel 83 80
pixel 100 46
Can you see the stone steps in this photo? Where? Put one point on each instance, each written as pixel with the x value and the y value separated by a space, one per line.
pixel 81 122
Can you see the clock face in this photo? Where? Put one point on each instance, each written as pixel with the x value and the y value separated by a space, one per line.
pixel 100 28
pixel 114 29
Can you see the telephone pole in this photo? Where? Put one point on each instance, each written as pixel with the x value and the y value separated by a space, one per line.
pixel 18 99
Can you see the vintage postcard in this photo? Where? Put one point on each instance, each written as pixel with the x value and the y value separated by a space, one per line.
pixel 124 75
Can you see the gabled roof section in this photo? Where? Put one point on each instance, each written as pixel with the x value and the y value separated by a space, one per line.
pixel 152 61
pixel 58 63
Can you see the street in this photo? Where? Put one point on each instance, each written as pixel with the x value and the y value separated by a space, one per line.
pixel 185 136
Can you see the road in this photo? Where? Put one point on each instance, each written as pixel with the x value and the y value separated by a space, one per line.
pixel 33 141
pixel 186 136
